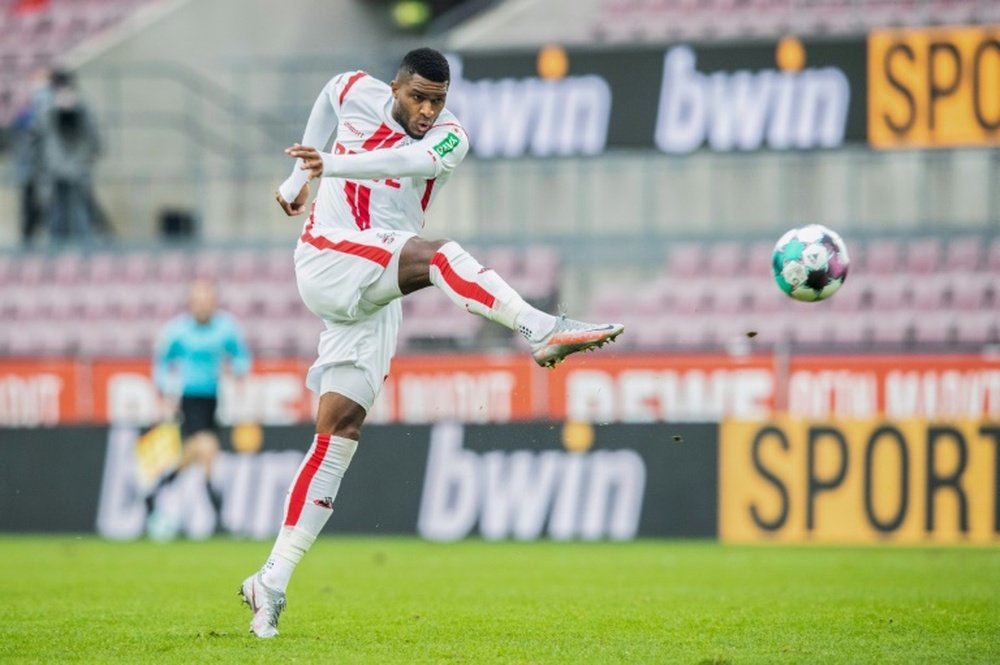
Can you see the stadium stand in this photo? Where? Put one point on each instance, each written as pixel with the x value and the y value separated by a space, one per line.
pixel 36 34
pixel 931 291
pixel 583 22
pixel 111 303
pixel 659 20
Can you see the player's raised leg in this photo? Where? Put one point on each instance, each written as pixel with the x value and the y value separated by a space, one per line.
pixel 309 503
pixel 480 290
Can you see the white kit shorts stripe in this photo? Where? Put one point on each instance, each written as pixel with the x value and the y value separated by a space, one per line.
pixel 333 272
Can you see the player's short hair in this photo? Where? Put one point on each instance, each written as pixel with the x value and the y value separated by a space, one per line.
pixel 427 62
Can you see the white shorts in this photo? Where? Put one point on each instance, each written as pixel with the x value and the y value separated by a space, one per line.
pixel 338 278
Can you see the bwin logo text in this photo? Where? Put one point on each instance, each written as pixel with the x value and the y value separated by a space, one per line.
pixel 747 110
pixel 521 494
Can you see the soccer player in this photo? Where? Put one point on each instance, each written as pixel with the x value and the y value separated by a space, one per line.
pixel 359 253
pixel 191 353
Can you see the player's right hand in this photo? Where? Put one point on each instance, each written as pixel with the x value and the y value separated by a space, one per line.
pixel 296 207
pixel 312 160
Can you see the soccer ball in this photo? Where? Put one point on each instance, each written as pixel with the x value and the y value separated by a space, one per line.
pixel 810 263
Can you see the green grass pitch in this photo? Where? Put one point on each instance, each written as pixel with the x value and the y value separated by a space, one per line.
pixel 389 600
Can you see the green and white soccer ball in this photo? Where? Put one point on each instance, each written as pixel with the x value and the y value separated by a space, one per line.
pixel 810 263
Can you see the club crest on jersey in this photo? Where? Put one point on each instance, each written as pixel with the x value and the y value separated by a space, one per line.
pixel 447 144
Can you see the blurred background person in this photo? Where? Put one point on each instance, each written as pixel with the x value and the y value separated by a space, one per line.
pixel 193 352
pixel 70 146
pixel 27 155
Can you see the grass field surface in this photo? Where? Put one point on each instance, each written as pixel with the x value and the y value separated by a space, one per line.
pixel 71 599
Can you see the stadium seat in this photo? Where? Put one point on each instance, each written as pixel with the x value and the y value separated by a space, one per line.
pixel 932 292
pixel 685 259
pixel 890 329
pixel 171 266
pixel 892 292
pixel 758 260
pixel 993 256
pixel 922 255
pixel 102 268
pixel 853 330
pixel 853 295
pixel 210 264
pixel 726 259
pixel 244 265
pixel 138 266
pixel 651 332
pixel 32 269
pixel 818 329
pixel 8 269
pixel 934 328
pixel 963 253
pixel 766 296
pixel 504 260
pixel 882 257
pixel 68 268
pixel 970 291
pixel 977 328
pixel 279 264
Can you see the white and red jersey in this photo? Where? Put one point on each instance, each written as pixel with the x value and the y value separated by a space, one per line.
pixel 354 200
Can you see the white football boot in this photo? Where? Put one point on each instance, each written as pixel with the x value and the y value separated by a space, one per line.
pixel 266 605
pixel 569 336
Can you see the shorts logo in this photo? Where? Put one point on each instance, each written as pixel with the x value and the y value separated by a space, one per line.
pixel 447 144
pixel 386 238
pixel 325 502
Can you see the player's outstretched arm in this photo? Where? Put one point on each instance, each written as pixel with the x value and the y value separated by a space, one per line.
pixel 294 192
pixel 430 157
pixel 413 160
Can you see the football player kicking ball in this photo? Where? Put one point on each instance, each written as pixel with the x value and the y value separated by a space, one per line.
pixel 359 253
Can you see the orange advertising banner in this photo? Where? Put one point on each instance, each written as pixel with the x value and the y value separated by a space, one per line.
pixel 420 389
pixel 123 392
pixel 651 388
pixel 630 388
pixel 40 393
pixel 917 386
pixel 934 87
pixel 471 389
pixel 850 481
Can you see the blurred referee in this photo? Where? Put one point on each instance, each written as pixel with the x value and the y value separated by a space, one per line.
pixel 192 353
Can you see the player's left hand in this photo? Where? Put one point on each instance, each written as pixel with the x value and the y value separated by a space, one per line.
pixel 296 207
pixel 312 161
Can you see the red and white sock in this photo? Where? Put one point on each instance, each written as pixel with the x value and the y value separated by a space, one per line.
pixel 308 505
pixel 481 291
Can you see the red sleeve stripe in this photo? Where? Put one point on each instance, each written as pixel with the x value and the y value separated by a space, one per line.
pixel 364 207
pixel 464 288
pixel 305 476
pixel 350 83
pixel 392 140
pixel 428 188
pixel 351 194
pixel 376 139
pixel 382 138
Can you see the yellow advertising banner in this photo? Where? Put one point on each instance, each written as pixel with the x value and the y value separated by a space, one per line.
pixel 910 481
pixel 934 87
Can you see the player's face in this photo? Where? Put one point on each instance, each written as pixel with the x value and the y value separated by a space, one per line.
pixel 418 103
pixel 202 301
